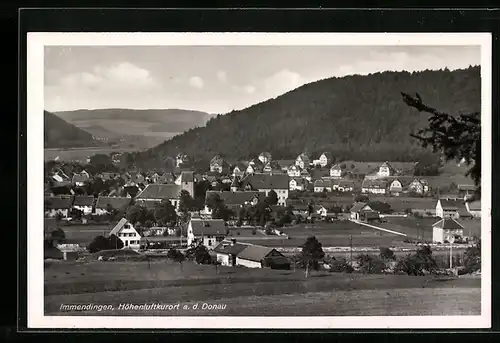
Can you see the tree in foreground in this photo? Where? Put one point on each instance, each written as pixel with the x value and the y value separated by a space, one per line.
pixel 199 254
pixel 272 198
pixel 456 137
pixel 472 259
pixel 420 263
pixel 177 256
pixel 387 254
pixel 312 253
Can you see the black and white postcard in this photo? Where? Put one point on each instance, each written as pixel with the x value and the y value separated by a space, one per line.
pixel 259 180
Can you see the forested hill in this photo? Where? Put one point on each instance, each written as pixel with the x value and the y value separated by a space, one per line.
pixel 354 117
pixel 59 134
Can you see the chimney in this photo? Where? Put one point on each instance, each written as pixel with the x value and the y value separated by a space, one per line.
pixel 233 241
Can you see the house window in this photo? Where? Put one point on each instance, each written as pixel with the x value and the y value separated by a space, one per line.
pixel 126 226
pixel 209 242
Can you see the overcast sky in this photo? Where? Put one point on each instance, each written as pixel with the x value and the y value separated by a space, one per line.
pixel 217 79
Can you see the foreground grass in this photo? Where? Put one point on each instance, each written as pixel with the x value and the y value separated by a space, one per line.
pixel 242 289
pixel 404 301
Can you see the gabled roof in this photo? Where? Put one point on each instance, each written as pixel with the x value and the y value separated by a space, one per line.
pixel 323 183
pixel 208 226
pixel 299 181
pixel 229 248
pixel 83 200
pixel 118 226
pixel 255 253
pixel 160 191
pixel 58 202
pixel 448 224
pixel 448 204
pixel 115 202
pixel 358 206
pixel 285 163
pixel 265 154
pixel 327 155
pixel 266 181
pixel 336 166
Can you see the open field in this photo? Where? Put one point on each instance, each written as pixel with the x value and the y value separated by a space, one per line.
pixel 253 291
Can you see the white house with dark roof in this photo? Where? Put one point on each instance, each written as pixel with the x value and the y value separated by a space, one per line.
pixel 126 232
pixel 267 182
pixel 447 230
pixel 208 232
pixel 218 164
pixel 54 205
pixel 374 186
pixel 302 161
pixel 325 159
pixel 419 186
pixel 358 208
pixel 336 171
pixel 265 157
pixel 297 184
pixel 294 171
pixel 84 203
pixel 386 170
pixel 451 208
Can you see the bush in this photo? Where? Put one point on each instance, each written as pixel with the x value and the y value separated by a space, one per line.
pixel 472 259
pixel 340 266
pixel 387 254
pixel 369 264
pixel 420 263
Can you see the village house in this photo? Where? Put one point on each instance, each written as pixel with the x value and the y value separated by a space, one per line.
pixel 159 192
pixel 232 253
pixel 419 186
pixel 302 161
pixel 239 169
pixel 325 159
pixel 234 200
pixel 208 232
pixel 219 165
pixel 344 186
pixel 256 256
pixel 474 208
pixel 323 185
pixel 374 186
pixel 357 208
pixel 451 208
pixel 447 230
pixel 386 170
pixel 126 232
pixel 265 157
pixel 80 179
pixel 181 159
pixel 336 171
pixel 368 216
pixel 254 166
pixel 84 204
pixel 227 251
pixel 284 164
pixel 300 209
pixel 298 184
pixel 267 182
pixel 294 171
pixel 105 204
pixel 57 205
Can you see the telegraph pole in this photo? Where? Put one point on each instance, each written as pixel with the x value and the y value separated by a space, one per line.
pixel 451 255
pixel 350 244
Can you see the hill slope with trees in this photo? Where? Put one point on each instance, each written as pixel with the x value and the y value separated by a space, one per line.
pixel 353 117
pixel 60 134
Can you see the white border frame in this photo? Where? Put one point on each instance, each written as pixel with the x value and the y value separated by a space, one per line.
pixel 35 160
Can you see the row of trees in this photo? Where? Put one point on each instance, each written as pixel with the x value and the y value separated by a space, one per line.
pixel 419 263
